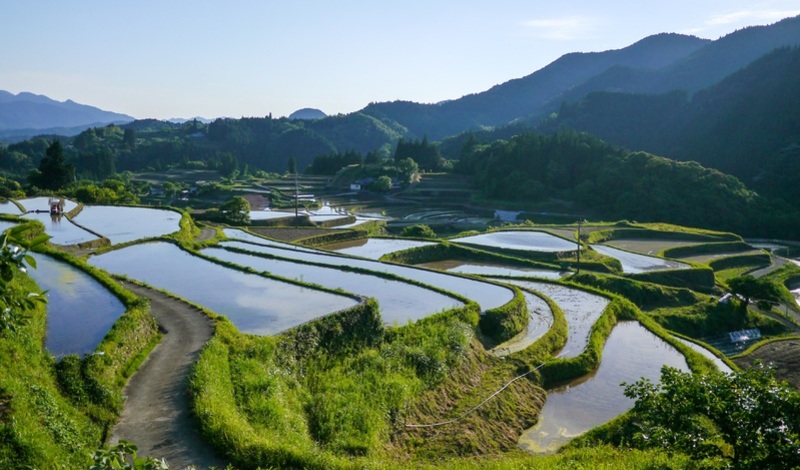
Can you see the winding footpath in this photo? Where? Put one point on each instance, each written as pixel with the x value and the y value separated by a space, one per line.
pixel 157 416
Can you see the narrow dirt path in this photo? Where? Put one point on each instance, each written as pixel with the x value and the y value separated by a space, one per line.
pixel 156 416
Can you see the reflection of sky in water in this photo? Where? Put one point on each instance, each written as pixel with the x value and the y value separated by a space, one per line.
pixel 635 263
pixel 80 311
pixel 541 318
pixel 520 240
pixel 487 295
pixel 42 203
pixel 374 248
pixel 124 224
pixel 400 302
pixel 485 269
pixel 631 352
pixel 8 207
pixel 253 303
pixel 61 230
pixel 580 308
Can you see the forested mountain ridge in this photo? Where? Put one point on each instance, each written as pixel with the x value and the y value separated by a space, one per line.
pixel 524 96
pixel 660 63
pixel 698 70
pixel 747 125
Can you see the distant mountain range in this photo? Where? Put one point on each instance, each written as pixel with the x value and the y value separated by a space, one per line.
pixel 26 114
pixel 675 95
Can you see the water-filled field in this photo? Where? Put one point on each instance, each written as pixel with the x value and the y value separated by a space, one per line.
pixel 80 311
pixel 631 352
pixel 541 319
pixel 527 240
pixel 400 302
pixel 8 207
pixel 580 308
pixel 635 263
pixel 124 224
pixel 42 203
pixel 708 355
pixel 489 270
pixel 237 234
pixel 487 295
pixel 374 248
pixel 61 230
pixel 253 303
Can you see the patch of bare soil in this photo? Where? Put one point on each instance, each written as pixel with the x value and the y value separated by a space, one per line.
pixel 157 416
pixel 783 356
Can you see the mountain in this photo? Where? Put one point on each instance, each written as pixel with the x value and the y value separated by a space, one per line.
pixel 701 69
pixel 308 114
pixel 30 112
pixel 656 64
pixel 747 125
pixel 524 96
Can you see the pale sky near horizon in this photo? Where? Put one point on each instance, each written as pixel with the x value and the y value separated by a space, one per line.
pixel 182 58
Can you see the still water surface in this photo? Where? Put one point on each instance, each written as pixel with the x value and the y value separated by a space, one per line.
pixel 400 302
pixel 80 311
pixel 487 295
pixel 253 303
pixel 631 352
pixel 580 308
pixel 634 263
pixel 527 240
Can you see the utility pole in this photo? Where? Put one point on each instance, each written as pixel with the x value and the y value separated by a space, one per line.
pixel 296 196
pixel 578 270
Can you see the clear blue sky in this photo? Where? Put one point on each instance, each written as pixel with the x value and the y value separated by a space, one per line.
pixel 176 58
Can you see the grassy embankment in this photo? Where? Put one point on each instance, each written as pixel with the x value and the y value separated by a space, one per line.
pixel 397 366
pixel 55 413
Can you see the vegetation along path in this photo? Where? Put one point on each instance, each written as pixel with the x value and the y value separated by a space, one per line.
pixel 156 416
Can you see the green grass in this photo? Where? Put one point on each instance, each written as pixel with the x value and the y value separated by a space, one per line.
pixel 39 427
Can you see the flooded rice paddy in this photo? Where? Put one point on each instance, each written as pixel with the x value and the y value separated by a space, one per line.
pixel 527 240
pixel 80 310
pixel 630 352
pixel 541 319
pixel 721 366
pixel 487 295
pixel 489 270
pixel 374 248
pixel 253 303
pixel 400 302
pixel 580 308
pixel 633 263
pixel 61 230
pixel 125 224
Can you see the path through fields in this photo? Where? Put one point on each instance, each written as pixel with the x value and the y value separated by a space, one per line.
pixel 156 416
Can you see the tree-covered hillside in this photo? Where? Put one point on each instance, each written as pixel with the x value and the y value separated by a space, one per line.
pixel 748 125
pixel 612 183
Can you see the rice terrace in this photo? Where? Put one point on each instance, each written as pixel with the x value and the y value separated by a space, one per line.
pixel 593 266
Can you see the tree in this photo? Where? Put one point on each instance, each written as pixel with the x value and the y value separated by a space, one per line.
pixel 407 169
pixel 748 412
pixel 54 171
pixel 748 288
pixel 382 184
pixel 236 211
pixel 292 165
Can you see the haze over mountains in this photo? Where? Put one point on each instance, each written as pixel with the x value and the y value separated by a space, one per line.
pixel 656 64
pixel 28 114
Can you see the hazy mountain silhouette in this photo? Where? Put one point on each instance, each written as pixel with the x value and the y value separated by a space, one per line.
pixel 30 112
